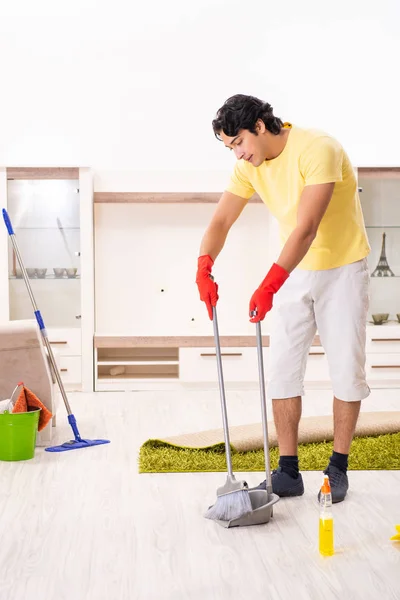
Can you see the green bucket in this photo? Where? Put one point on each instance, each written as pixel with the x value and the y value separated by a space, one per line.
pixel 18 435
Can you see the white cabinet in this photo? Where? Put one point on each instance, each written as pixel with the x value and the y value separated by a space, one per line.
pixel 51 211
pixel 383 355
pixel 178 363
pixel 127 225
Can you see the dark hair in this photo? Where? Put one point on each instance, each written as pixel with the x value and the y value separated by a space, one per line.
pixel 242 112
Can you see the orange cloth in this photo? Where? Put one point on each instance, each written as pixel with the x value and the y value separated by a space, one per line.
pixel 28 401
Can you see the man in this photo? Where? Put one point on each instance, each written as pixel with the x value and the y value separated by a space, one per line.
pixel 320 280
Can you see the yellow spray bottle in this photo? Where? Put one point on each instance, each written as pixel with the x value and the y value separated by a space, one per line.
pixel 326 545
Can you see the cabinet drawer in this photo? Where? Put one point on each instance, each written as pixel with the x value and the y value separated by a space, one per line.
pixel 68 342
pixel 238 364
pixel 71 369
pixel 383 343
pixel 383 366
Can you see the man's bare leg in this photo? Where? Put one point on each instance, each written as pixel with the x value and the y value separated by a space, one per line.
pixel 287 413
pixel 345 415
pixel 287 481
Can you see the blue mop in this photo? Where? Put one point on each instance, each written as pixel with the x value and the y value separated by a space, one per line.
pixel 78 442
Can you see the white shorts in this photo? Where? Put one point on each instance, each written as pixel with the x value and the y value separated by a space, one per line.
pixel 335 302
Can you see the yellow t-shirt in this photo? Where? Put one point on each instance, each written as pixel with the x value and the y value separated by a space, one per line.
pixel 310 157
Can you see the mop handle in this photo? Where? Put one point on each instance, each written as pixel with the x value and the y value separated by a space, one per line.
pixel 222 394
pixel 38 316
pixel 263 405
pixel 8 222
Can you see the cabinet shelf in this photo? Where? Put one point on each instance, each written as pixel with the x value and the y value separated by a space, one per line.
pixel 140 376
pixel 389 322
pixel 12 277
pixel 137 362
pixel 46 228
pixel 163 197
pixel 141 370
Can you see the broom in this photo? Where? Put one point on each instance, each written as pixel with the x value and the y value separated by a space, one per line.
pixel 233 498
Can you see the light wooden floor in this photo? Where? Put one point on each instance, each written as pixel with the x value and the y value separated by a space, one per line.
pixel 83 525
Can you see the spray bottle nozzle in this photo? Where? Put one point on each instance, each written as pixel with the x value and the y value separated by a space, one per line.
pixel 326 488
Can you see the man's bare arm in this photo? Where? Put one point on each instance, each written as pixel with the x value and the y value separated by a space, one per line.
pixel 227 211
pixel 313 203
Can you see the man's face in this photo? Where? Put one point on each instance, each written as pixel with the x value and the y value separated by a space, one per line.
pixel 246 145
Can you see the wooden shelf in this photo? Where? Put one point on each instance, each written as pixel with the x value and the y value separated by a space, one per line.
pixel 194 341
pixel 131 376
pixel 162 198
pixel 42 173
pixel 115 354
pixel 381 172
pixel 114 363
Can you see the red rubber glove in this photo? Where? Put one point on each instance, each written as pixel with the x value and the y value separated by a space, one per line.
pixel 207 287
pixel 261 300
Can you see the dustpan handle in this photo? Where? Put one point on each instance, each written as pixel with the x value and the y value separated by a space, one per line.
pixel 222 394
pixel 263 406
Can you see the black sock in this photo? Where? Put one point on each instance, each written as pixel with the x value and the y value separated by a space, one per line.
pixel 289 465
pixel 339 460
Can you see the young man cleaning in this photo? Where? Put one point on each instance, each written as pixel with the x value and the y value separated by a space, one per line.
pixel 320 280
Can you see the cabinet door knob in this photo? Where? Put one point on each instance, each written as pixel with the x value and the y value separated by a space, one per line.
pixel 78 317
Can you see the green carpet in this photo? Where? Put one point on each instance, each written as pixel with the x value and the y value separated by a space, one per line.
pixel 380 452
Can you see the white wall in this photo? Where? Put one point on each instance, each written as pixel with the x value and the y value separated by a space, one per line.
pixel 133 86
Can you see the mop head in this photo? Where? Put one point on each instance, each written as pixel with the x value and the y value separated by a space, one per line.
pixel 230 506
pixel 75 445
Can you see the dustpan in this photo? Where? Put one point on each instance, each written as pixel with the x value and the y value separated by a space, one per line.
pixel 262 501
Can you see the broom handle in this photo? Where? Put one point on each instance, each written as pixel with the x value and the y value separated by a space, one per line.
pixel 38 316
pixel 263 407
pixel 222 394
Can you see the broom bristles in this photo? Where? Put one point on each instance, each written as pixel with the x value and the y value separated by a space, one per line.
pixel 230 506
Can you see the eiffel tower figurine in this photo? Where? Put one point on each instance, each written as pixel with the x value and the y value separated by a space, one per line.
pixel 382 269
